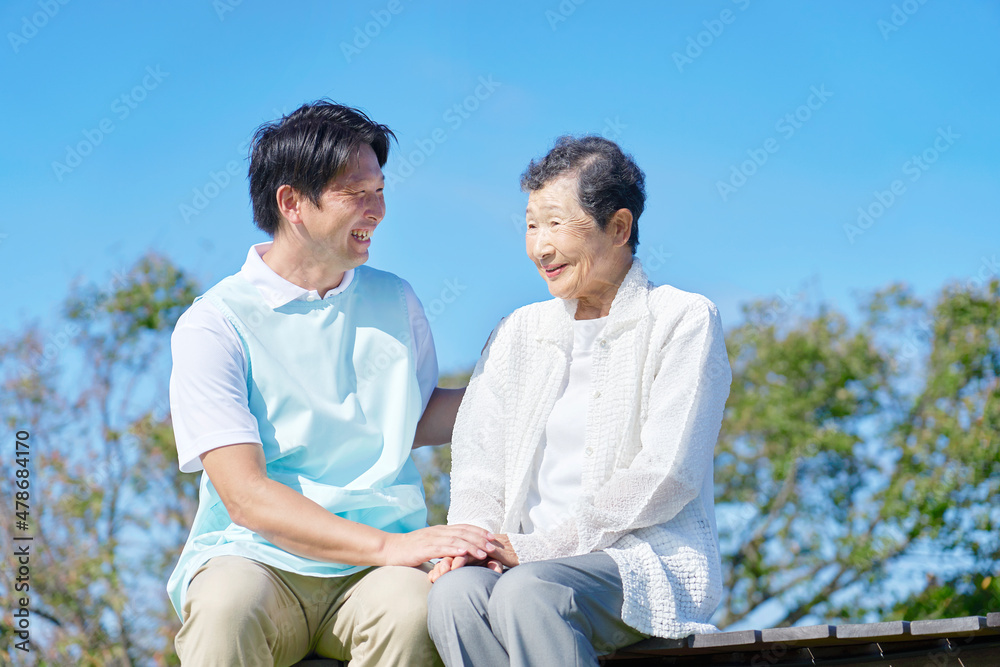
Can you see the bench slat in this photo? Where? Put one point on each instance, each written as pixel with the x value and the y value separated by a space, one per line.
pixel 948 626
pixel 734 639
pixel 883 631
pixel 801 634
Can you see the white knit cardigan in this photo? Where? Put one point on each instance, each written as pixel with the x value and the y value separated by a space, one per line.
pixel 660 380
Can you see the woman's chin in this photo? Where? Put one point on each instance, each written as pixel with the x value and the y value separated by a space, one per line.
pixel 560 292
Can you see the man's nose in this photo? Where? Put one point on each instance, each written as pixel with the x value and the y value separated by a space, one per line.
pixel 375 209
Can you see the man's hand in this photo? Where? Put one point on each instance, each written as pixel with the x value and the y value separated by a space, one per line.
pixel 300 526
pixel 501 555
pixel 421 545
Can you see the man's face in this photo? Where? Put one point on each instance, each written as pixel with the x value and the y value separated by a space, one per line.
pixel 350 208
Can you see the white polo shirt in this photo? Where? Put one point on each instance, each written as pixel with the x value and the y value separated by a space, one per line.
pixel 209 404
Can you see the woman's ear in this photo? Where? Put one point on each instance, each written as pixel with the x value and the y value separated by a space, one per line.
pixel 620 226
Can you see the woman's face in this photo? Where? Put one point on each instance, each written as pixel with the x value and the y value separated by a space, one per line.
pixel 576 258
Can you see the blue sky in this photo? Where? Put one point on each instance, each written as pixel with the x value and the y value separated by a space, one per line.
pixel 126 124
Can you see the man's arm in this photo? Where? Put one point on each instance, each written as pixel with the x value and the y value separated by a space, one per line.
pixel 438 422
pixel 298 525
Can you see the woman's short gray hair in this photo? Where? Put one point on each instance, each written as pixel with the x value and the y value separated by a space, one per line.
pixel 608 179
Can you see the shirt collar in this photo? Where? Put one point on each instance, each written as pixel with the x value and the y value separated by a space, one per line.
pixel 628 306
pixel 276 290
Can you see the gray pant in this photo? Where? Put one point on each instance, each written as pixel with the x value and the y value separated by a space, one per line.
pixel 565 611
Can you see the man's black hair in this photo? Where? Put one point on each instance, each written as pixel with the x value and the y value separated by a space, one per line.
pixel 307 149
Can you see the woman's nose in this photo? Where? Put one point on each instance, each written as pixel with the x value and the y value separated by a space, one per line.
pixel 542 245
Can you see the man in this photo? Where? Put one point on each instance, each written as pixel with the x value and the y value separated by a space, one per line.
pixel 297 387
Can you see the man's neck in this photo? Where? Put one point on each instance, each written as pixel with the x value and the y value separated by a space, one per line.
pixel 293 262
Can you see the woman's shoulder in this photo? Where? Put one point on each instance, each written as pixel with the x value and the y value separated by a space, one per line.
pixel 534 313
pixel 669 302
pixel 666 298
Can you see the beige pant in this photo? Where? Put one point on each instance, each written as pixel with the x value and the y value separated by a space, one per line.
pixel 240 612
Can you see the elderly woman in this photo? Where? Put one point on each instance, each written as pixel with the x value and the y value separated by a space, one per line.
pixel 584 442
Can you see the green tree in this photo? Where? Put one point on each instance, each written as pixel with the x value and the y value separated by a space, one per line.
pixel 108 510
pixel 849 451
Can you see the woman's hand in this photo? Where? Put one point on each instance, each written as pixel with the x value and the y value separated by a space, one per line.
pixel 504 552
pixel 448 564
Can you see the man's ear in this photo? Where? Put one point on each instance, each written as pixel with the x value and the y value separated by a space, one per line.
pixel 620 225
pixel 289 204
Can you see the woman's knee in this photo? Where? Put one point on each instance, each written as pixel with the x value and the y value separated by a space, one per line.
pixel 465 588
pixel 527 588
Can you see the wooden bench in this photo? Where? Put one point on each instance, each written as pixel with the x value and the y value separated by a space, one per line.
pixel 970 641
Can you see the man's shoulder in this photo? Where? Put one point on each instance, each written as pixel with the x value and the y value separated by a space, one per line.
pixel 202 314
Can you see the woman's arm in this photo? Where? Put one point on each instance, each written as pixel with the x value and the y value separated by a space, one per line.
pixel 477 456
pixel 686 403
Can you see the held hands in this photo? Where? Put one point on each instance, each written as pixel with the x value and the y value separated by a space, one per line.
pixel 420 546
pixel 448 564
pixel 502 555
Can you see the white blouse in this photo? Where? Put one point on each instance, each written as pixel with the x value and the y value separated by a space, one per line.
pixel 557 476
pixel 659 380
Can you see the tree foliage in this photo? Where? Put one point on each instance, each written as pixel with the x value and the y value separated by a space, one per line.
pixel 853 454
pixel 857 471
pixel 92 395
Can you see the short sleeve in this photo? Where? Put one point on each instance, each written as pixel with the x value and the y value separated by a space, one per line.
pixel 209 403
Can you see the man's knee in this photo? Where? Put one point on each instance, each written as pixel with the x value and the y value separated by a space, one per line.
pixel 397 597
pixel 231 592
pixel 237 611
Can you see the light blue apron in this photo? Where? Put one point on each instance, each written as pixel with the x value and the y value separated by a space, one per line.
pixel 333 386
